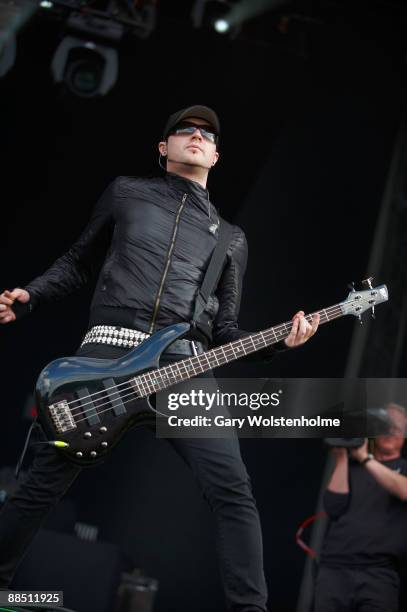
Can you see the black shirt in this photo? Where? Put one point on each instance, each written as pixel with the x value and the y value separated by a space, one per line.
pixel 368 525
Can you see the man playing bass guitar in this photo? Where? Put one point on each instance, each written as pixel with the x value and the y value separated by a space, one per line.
pixel 159 234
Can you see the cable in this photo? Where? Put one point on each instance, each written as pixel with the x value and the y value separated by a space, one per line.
pixel 27 441
pixel 308 521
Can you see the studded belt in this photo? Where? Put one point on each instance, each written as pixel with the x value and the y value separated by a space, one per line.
pixel 129 338
pixel 118 336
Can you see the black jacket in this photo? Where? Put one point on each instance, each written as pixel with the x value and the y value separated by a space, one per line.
pixel 160 247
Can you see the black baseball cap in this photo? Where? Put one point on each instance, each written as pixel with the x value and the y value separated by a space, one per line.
pixel 201 112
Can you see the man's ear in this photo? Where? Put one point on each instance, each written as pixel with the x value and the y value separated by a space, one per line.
pixel 215 158
pixel 162 147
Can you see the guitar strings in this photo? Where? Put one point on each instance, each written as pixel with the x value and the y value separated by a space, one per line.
pixel 266 334
pixel 225 353
pixel 175 380
pixel 132 395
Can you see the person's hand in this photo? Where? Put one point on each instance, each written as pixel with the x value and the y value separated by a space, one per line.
pixel 301 330
pixel 7 299
pixel 360 453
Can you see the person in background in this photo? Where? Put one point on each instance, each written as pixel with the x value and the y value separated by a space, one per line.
pixel 366 502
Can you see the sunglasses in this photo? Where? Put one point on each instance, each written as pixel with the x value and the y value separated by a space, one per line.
pixel 187 129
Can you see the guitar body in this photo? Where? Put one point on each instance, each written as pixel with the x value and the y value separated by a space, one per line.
pixel 88 404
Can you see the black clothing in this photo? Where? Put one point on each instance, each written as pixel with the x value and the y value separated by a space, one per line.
pixel 162 232
pixel 220 473
pixel 160 248
pixel 358 589
pixel 365 539
pixel 368 526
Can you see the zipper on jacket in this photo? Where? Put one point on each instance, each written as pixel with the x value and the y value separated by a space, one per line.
pixel 167 265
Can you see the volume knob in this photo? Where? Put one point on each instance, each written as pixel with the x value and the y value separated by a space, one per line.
pixel 93 454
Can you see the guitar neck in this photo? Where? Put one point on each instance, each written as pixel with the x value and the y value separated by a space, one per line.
pixel 157 380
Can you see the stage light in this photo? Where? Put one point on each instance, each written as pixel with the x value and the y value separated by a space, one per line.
pixel 229 16
pixel 217 15
pixel 88 69
pixel 222 26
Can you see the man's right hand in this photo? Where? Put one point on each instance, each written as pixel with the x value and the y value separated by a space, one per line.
pixel 7 299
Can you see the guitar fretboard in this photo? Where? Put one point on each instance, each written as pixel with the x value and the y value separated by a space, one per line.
pixel 167 376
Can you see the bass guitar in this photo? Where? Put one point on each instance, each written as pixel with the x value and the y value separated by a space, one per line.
pixel 85 405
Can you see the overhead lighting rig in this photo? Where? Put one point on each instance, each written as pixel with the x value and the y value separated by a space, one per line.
pixel 86 60
pixel 138 17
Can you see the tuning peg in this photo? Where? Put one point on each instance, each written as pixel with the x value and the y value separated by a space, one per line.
pixel 351 286
pixel 368 282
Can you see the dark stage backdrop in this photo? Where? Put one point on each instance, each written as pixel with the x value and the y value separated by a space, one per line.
pixel 307 141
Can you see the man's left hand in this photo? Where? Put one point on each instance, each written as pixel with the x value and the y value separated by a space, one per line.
pixel 301 330
pixel 360 453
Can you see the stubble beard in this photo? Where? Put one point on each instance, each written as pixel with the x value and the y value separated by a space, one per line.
pixel 191 164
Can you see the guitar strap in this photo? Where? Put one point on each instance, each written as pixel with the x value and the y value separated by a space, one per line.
pixel 214 269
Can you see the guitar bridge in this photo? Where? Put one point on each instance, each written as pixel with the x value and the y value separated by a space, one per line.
pixel 62 417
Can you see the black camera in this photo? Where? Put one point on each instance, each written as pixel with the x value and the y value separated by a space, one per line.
pixel 374 422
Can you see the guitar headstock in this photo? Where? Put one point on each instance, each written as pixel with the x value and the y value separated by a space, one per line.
pixel 358 302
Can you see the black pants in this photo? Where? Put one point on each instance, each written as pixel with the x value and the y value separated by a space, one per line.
pixel 356 589
pixel 220 473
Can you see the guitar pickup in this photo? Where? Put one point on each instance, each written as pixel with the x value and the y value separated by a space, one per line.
pixel 88 407
pixel 62 417
pixel 113 394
